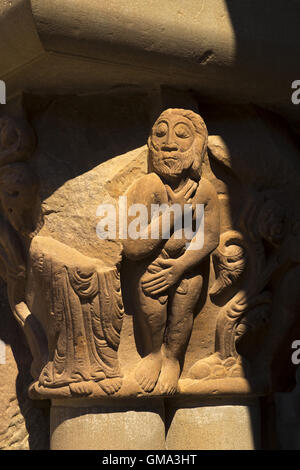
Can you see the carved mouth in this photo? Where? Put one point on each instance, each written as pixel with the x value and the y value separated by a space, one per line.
pixel 170 155
pixel 170 158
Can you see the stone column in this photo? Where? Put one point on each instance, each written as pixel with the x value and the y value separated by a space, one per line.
pixel 78 424
pixel 213 424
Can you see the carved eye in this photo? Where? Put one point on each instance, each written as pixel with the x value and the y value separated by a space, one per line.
pixel 182 131
pixel 161 129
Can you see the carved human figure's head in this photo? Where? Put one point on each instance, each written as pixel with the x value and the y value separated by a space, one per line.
pixel 177 144
pixel 19 196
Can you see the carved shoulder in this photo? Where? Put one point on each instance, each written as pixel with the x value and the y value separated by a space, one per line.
pixel 147 189
pixel 206 193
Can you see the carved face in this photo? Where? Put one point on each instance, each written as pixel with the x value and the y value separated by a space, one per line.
pixel 173 145
pixel 18 193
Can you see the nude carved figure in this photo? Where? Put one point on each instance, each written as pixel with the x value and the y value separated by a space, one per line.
pixel 166 276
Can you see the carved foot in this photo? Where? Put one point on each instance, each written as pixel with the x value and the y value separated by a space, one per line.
pixel 82 389
pixel 148 371
pixel 111 386
pixel 169 376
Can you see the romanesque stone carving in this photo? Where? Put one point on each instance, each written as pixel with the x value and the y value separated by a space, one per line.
pixel 20 219
pixel 255 289
pixel 166 277
pixel 69 302
pixel 82 312
pixel 68 305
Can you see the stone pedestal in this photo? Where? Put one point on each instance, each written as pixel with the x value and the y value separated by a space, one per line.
pixel 222 424
pixel 213 425
pixel 106 425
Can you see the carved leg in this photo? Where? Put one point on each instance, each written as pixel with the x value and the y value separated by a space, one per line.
pixel 180 324
pixel 154 316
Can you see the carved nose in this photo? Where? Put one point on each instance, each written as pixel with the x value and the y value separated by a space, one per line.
pixel 169 147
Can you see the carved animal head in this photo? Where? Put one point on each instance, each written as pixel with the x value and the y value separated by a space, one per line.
pixel 230 261
pixel 19 196
pixel 177 144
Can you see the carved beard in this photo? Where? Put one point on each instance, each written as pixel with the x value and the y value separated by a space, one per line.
pixel 171 164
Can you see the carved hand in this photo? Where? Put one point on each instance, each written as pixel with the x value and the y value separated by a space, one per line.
pixel 184 196
pixel 161 281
